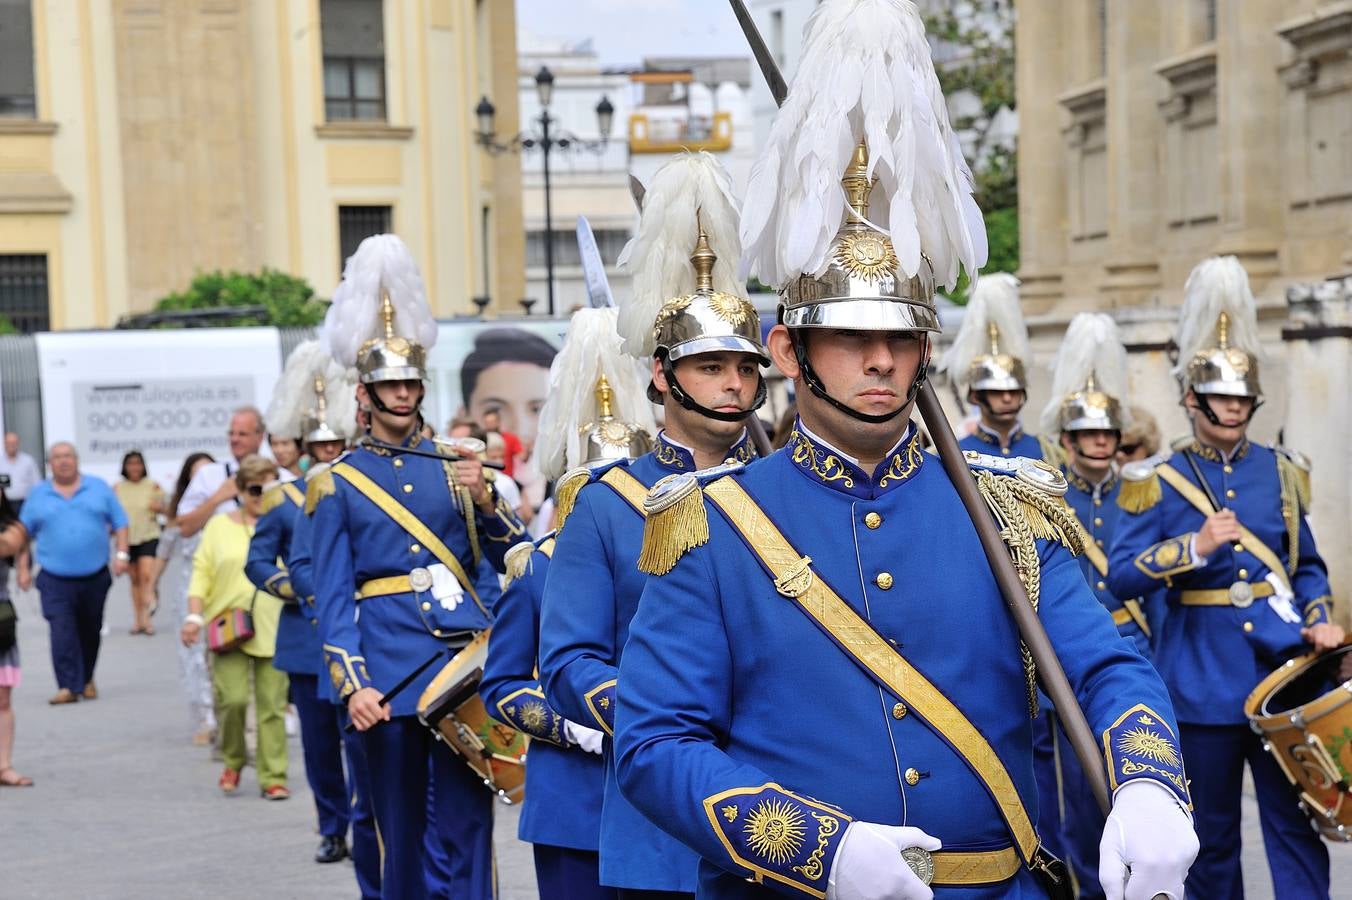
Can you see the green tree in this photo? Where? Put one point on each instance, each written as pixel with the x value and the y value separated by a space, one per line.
pixel 288 301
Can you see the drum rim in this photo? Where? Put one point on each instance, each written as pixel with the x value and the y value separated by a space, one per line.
pixel 1255 705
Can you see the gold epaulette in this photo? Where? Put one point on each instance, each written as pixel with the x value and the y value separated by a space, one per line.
pixel 273 497
pixel 1140 488
pixel 565 494
pixel 676 523
pixel 318 485
pixel 517 561
pixel 1052 452
pixel 1031 504
pixel 1293 468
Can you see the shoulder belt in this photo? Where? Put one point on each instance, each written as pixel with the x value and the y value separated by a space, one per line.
pixel 410 523
pixel 1193 494
pixel 293 493
pixel 795 579
pixel 628 487
pixel 1091 550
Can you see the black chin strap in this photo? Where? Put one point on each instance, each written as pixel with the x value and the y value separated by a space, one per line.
pixel 815 384
pixel 380 404
pixel 982 402
pixel 680 396
pixel 1075 441
pixel 1205 406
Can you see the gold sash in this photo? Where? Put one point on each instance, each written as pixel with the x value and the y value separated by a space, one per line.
pixel 1194 495
pixel 410 523
pixel 795 579
pixel 293 493
pixel 627 486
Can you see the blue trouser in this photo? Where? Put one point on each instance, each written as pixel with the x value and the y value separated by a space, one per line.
pixel 365 840
pixel 1048 788
pixel 1081 821
pixel 321 740
pixel 73 608
pixel 1297 858
pixel 405 763
pixel 565 872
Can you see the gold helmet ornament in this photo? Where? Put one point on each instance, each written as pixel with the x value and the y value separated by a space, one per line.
pixel 861 203
pixel 687 296
pixel 315 398
pixel 1218 335
pixel 595 411
pixel 379 321
pixel 1089 378
pixel 992 343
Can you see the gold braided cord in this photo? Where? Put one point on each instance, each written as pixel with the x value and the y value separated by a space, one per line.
pixel 464 501
pixel 1294 500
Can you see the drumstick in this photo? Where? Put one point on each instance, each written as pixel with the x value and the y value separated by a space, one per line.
pixel 403 685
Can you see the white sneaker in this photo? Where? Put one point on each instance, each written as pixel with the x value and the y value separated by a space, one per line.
pixel 292 724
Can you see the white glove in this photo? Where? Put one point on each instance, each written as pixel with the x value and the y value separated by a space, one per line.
pixel 1148 844
pixel 868 865
pixel 589 739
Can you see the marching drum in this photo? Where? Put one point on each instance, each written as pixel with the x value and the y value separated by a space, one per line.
pixel 452 708
pixel 1303 713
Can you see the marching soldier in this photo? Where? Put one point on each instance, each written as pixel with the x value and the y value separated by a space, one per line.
pixel 1087 410
pixel 300 407
pixel 986 366
pixel 705 354
pixel 565 775
pixel 1220 525
pixel 395 531
pixel 823 692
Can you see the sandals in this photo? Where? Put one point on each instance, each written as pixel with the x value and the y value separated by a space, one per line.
pixel 9 777
pixel 229 781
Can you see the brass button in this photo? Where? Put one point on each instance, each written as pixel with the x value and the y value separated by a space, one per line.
pixel 1101 586
pixel 884 581
pixel 873 520
pixel 899 711
pixel 1097 520
pixel 408 489
pixel 1230 493
pixel 1099 541
pixel 1098 501
pixel 1239 548
pixel 426 606
pixel 436 632
pixel 1244 574
pixel 1005 451
pixel 1228 469
pixel 1248 626
pixel 416 548
pixel 398 463
pixel 314 621
pixel 912 777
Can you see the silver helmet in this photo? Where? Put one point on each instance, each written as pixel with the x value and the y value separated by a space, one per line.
pixel 1218 331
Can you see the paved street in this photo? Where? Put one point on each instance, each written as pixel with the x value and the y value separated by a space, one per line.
pixel 126 807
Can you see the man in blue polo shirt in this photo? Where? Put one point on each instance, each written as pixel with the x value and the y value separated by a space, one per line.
pixel 69 518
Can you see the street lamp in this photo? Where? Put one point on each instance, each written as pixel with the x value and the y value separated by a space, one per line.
pixel 547 140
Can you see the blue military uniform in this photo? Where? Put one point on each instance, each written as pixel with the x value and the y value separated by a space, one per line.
pixel 591 594
pixel 1211 653
pixel 1020 443
pixel 381 523
pixel 746 729
pixel 562 811
pixel 365 842
pixel 298 655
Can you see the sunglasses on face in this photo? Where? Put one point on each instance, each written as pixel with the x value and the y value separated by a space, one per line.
pixel 1128 449
pixel 254 490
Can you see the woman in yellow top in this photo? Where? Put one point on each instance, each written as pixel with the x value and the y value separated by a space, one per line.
pixel 143 500
pixel 219 585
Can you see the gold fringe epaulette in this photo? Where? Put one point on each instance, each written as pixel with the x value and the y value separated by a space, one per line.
pixel 318 485
pixel 1293 474
pixel 1140 488
pixel 1294 468
pixel 517 561
pixel 676 523
pixel 565 494
pixel 273 497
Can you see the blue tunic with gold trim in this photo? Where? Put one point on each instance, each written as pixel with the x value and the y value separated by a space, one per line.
pixel 297 638
pixel 591 594
pixel 358 547
pixel 1021 443
pixel 1211 653
pixel 563 783
pixel 752 736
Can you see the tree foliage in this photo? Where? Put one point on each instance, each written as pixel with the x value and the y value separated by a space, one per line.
pixel 288 301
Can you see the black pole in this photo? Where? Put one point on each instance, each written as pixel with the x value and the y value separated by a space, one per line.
pixel 547 144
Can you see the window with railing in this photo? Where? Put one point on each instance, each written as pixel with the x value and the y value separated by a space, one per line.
pixel 18 91
pixel 609 241
pixel 353 34
pixel 357 223
pixel 24 301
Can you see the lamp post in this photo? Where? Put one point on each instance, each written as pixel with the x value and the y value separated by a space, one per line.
pixel 547 140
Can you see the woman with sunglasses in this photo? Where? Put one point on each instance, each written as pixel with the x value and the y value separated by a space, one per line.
pixel 219 586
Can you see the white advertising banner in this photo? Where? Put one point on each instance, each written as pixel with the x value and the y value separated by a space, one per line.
pixel 164 393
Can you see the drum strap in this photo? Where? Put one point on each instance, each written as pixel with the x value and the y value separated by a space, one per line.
pixel 1193 494
pixel 411 524
pixel 796 580
pixel 628 487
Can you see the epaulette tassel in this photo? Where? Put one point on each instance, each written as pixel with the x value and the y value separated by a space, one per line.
pixel 517 561
pixel 317 486
pixel 680 525
pixel 272 498
pixel 1139 496
pixel 565 495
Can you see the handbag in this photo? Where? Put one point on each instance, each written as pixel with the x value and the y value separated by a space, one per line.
pixel 9 625
pixel 232 629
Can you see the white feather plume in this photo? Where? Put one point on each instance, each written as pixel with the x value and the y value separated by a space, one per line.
pixel 865 74
pixel 995 298
pixel 382 263
pixel 1217 285
pixel 590 349
pixel 1091 346
pixel 658 257
pixel 293 399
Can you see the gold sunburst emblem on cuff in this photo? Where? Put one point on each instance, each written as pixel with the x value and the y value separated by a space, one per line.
pixel 775 830
pixel 1150 744
pixel 533 717
pixel 866 255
